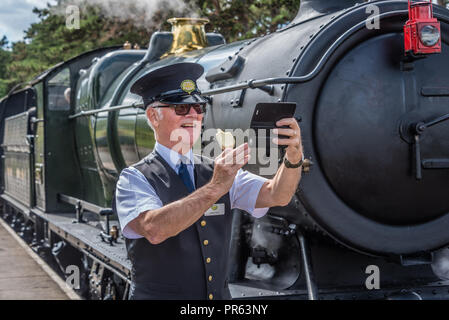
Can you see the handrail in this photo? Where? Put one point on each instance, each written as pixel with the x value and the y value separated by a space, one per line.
pixel 253 84
pixel 114 108
pixel 264 84
pixel 85 205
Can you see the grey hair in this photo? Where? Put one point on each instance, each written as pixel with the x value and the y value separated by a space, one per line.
pixel 158 110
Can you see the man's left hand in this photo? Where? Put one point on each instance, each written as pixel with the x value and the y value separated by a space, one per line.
pixel 293 152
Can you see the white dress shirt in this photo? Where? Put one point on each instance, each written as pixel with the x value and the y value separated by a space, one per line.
pixel 134 194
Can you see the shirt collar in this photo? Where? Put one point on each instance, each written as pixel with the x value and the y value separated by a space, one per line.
pixel 173 158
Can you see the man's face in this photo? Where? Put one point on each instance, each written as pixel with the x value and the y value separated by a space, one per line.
pixel 173 130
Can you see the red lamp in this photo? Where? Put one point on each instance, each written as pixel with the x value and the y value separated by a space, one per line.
pixel 422 32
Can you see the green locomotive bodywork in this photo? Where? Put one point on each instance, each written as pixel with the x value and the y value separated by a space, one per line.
pixel 94 135
pixel 109 141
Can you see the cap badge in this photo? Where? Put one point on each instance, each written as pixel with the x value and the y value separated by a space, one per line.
pixel 188 86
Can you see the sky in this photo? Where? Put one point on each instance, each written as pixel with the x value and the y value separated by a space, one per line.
pixel 17 15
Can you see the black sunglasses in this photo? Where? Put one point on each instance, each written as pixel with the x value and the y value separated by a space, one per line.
pixel 184 109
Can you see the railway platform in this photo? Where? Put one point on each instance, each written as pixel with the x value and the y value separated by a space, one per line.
pixel 23 275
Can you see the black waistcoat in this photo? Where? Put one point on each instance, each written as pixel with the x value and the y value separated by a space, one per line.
pixel 192 264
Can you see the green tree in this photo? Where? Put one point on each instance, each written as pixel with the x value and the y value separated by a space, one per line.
pixel 49 41
pixel 5 59
pixel 237 20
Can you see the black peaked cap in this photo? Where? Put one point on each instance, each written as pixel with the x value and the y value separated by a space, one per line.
pixel 172 84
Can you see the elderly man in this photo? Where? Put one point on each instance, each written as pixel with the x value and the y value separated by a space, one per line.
pixel 175 207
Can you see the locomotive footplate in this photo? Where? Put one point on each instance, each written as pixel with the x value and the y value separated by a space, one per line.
pixel 86 238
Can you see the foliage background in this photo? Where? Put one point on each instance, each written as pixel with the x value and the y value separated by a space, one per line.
pixel 49 41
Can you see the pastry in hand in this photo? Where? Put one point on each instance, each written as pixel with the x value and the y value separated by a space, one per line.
pixel 224 139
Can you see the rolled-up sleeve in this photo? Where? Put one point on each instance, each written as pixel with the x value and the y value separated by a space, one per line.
pixel 244 193
pixel 134 195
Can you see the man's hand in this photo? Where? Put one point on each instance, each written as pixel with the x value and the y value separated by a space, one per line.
pixel 293 152
pixel 227 164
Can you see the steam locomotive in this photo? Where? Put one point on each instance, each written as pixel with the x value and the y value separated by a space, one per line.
pixel 370 218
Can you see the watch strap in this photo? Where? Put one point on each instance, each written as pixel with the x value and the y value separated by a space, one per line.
pixel 288 164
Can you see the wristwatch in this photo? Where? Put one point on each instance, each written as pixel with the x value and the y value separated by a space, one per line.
pixel 288 164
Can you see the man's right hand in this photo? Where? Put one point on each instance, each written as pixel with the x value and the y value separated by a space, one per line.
pixel 227 164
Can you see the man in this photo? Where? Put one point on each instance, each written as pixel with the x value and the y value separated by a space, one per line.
pixel 175 207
